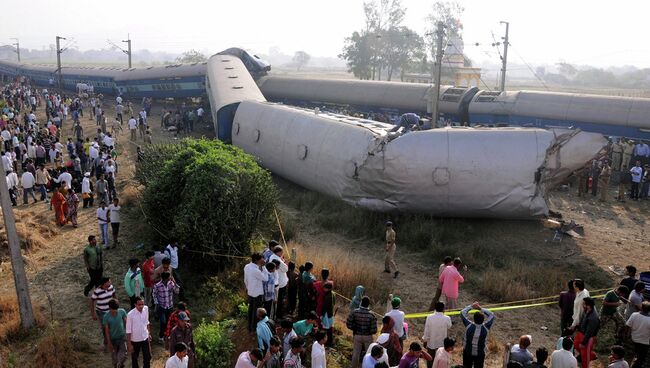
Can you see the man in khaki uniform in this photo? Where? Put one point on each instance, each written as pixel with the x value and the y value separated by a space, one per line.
pixel 617 155
pixel 628 149
pixel 583 177
pixel 603 181
pixel 389 248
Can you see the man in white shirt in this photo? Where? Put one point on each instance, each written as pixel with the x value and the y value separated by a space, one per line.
pixel 581 293
pixel 249 359
pixel 65 177
pixel 86 191
pixel 133 128
pixel 376 352
pixel 28 181
pixel 254 279
pixel 639 323
pixel 282 279
pixel 318 350
pixel 138 334
pixel 108 140
pixel 564 358
pixel 435 330
pixel 102 220
pixel 114 209
pixel 180 358
pixel 397 316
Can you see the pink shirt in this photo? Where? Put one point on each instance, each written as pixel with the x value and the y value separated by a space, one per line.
pixel 449 279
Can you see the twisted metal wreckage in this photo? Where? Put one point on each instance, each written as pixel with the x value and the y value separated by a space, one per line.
pixel 456 172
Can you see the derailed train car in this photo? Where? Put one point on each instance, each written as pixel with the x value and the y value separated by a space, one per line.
pixel 464 172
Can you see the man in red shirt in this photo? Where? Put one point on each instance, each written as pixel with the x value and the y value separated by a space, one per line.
pixel 147 275
pixel 173 320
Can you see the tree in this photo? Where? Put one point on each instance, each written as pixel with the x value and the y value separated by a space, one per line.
pixel 566 69
pixel 191 56
pixel 357 52
pixel 300 59
pixel 400 46
pixel 211 195
pixel 449 13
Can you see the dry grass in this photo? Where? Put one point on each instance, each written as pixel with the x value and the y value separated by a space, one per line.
pixel 345 270
pixel 10 318
pixel 57 348
pixel 34 231
pixel 130 193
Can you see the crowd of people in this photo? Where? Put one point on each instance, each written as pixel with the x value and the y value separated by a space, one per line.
pixel 291 314
pixel 626 161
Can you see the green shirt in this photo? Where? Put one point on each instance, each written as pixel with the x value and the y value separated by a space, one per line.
pixel 93 257
pixel 302 328
pixel 610 297
pixel 115 324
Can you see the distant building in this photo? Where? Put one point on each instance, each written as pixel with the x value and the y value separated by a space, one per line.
pixel 454 69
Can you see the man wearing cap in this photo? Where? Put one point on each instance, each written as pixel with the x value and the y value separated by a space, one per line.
pixel 87 191
pixel 182 333
pixel 389 248
pixel 397 315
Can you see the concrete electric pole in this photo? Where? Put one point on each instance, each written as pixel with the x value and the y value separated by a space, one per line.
pixel 17 44
pixel 58 60
pixel 20 279
pixel 437 70
pixel 504 58
pixel 128 50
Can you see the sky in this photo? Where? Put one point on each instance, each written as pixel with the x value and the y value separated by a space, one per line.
pixel 599 33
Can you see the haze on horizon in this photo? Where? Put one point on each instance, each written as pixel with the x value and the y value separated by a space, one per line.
pixel 598 33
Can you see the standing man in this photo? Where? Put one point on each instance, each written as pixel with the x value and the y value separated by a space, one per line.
pixel 628 150
pixel 263 331
pixel 563 358
pixel 435 331
pixel 147 276
pixel 42 179
pixel 133 128
pixel 389 248
pixel 138 334
pixel 99 303
pixel 587 331
pixel 636 173
pixel 115 330
pixel 282 279
pixel 566 308
pixel 171 251
pixel 115 209
pixel 449 280
pixel 363 325
pixel 446 262
pixel 609 311
pixel 603 181
pixel 94 261
pixel 617 155
pixel 179 358
pixel 28 181
pixel 583 177
pixel 182 334
pixel 639 324
pixel 578 310
pixel 102 220
pixel 595 174
pixel 476 334
pixel 397 315
pixel 133 282
pixel 163 298
pixel 254 279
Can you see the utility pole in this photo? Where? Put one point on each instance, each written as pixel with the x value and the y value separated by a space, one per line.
pixel 58 60
pixel 504 58
pixel 128 52
pixel 437 70
pixel 17 44
pixel 20 279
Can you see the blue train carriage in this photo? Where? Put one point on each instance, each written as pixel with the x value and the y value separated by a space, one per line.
pixel 101 78
pixel 8 71
pixel 170 81
pixel 608 115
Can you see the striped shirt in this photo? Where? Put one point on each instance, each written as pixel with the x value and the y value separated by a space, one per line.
pixel 476 335
pixel 101 298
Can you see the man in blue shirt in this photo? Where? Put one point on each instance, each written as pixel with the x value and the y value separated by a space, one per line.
pixel 263 331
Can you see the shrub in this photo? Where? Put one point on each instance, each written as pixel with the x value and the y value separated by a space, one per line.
pixel 213 344
pixel 57 348
pixel 210 195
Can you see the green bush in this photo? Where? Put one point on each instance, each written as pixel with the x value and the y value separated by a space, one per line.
pixel 213 344
pixel 210 195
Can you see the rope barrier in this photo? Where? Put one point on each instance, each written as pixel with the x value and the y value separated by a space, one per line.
pixel 216 254
pixel 497 309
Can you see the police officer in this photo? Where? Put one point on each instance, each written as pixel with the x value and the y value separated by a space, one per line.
pixel 389 248
pixel 628 149
pixel 617 155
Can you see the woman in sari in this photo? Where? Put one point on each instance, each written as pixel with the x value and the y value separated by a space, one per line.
pixel 392 346
pixel 72 201
pixel 58 202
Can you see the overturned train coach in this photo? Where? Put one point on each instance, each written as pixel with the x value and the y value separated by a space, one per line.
pixel 461 172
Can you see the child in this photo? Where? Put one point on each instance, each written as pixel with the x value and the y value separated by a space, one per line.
pixel 327 316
